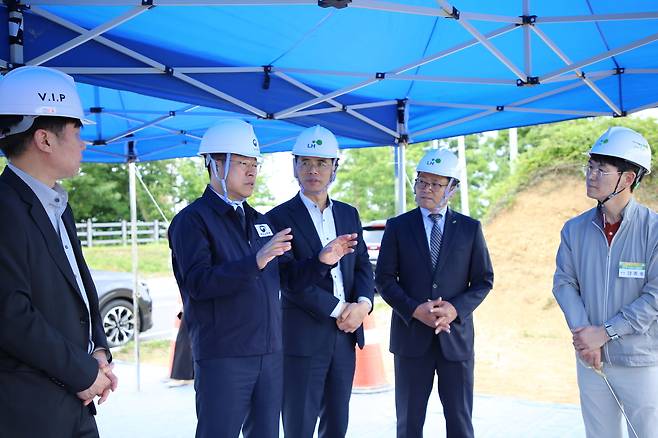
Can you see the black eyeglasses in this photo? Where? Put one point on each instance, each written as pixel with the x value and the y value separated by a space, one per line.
pixel 422 184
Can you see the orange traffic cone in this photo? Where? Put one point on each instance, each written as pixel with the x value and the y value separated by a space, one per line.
pixel 369 375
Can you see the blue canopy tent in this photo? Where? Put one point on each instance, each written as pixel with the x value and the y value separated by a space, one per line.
pixel 375 72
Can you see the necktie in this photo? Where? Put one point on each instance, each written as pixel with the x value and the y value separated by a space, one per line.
pixel 243 219
pixel 435 238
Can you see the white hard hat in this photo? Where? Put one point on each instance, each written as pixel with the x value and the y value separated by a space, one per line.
pixel 440 162
pixel 626 144
pixel 316 141
pixel 231 136
pixel 33 91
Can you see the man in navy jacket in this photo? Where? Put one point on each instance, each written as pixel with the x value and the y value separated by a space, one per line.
pixel 225 257
pixel 53 351
pixel 323 322
pixel 434 270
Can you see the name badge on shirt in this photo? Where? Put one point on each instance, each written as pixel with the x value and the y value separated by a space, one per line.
pixel 263 230
pixel 631 270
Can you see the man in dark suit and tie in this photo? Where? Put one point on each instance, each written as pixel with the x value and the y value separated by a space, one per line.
pixel 321 323
pixel 434 270
pixel 54 358
pixel 226 258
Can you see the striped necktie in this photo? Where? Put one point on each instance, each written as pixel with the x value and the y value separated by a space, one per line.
pixel 435 238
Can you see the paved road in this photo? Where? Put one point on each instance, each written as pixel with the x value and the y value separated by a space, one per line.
pixel 161 412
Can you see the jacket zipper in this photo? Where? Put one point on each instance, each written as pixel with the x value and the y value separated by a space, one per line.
pixel 605 289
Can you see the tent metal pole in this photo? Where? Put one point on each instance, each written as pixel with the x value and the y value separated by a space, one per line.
pixel 452 79
pixel 554 47
pixel 88 35
pixel 333 109
pixel 400 178
pixel 513 148
pixel 447 52
pixel 599 17
pixel 358 106
pixel 15 22
pixel 325 97
pixel 485 42
pixel 338 106
pixel 605 55
pixel 220 94
pixel 153 122
pixel 100 39
pixel 135 261
pixel 454 122
pixel 527 48
pixel 463 187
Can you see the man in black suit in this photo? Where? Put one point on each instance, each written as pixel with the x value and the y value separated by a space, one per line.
pixel 54 358
pixel 434 270
pixel 321 323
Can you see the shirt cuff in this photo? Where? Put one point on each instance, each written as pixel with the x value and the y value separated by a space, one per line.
pixel 620 325
pixel 367 300
pixel 338 309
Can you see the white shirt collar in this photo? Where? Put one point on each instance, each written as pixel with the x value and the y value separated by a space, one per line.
pixel 310 204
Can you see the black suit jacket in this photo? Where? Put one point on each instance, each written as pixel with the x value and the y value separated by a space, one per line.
pixel 404 277
pixel 44 325
pixel 307 324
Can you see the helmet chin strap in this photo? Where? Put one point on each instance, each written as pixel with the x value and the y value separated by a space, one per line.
pixel 614 193
pixel 222 181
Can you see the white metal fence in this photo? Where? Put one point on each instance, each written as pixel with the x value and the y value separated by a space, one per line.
pixel 118 233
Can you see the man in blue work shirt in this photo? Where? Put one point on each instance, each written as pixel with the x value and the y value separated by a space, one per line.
pixel 225 257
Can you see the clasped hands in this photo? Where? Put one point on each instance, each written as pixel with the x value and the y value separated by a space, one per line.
pixel 437 314
pixel 587 341
pixel 105 382
pixel 352 316
pixel 330 254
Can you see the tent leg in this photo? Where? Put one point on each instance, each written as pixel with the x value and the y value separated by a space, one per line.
pixel 513 148
pixel 133 233
pixel 15 33
pixel 400 178
pixel 463 186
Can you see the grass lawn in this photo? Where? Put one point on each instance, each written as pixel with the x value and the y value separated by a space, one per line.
pixel 150 352
pixel 154 258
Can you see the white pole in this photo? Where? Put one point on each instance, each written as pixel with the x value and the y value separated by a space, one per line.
pixel 133 235
pixel 400 178
pixel 513 147
pixel 463 187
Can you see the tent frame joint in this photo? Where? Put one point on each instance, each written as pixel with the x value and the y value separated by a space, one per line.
pixel 96 109
pixel 338 4
pixel 402 139
pixel 380 76
pixel 169 71
pixel 453 14
pixel 500 108
pixel 267 69
pixel 619 71
pixel 99 142
pixel 623 114
pixel 530 80
pixel 148 3
pixel 527 20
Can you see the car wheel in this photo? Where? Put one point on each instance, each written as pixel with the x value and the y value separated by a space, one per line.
pixel 118 322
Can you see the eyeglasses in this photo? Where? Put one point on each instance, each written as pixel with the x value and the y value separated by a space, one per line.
pixel 588 169
pixel 245 165
pixel 434 187
pixel 307 165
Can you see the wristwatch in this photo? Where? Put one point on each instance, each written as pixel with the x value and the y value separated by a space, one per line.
pixel 610 330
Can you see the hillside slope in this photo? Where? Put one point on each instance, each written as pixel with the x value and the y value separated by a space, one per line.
pixel 523 346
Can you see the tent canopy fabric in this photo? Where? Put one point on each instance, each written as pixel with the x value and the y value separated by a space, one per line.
pixel 374 72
